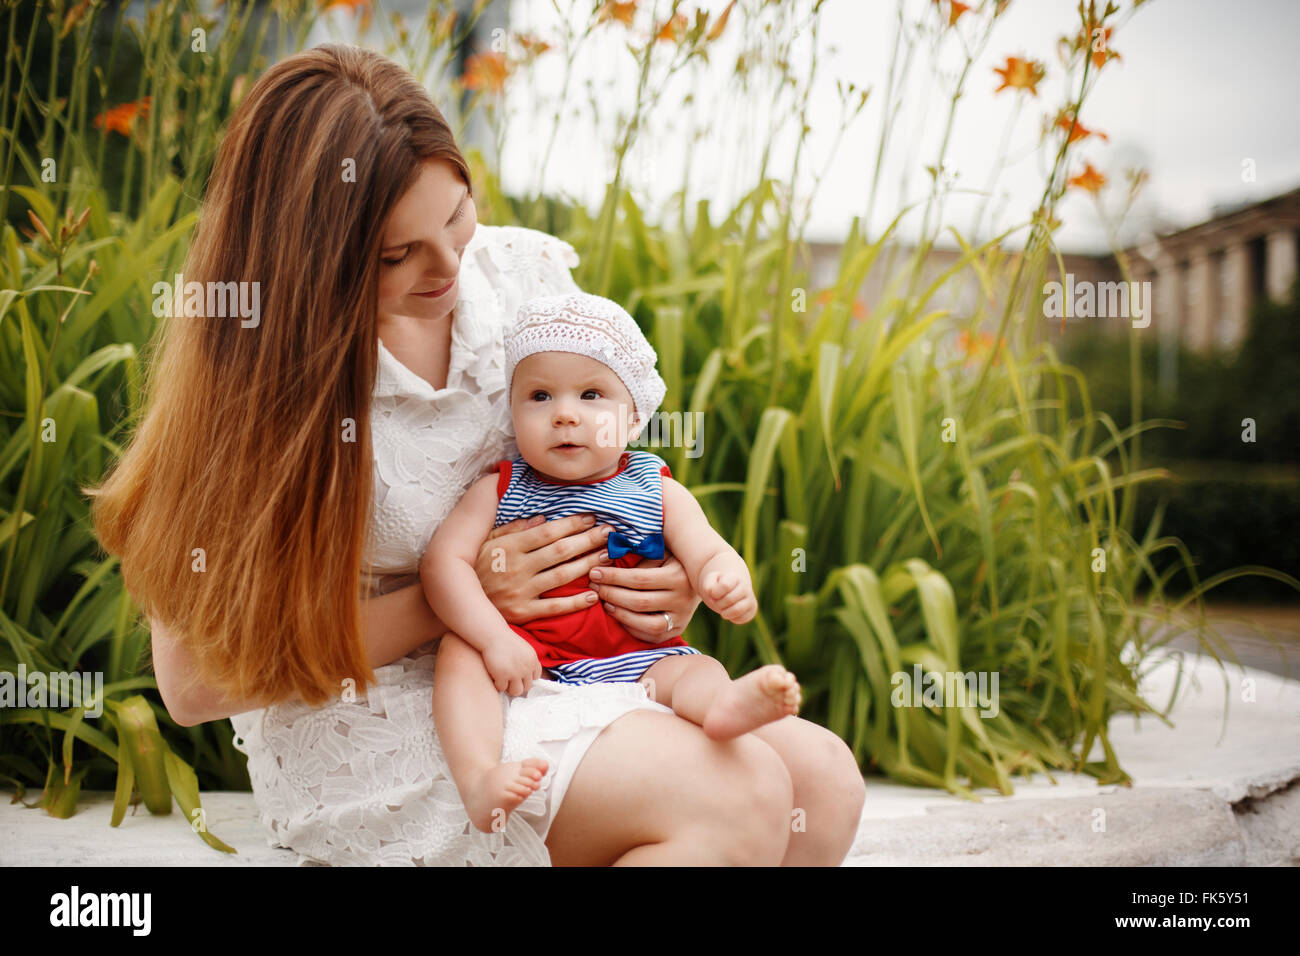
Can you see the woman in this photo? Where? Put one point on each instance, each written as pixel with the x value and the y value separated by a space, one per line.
pixel 273 506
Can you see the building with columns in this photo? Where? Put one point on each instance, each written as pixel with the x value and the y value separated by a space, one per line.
pixel 1206 278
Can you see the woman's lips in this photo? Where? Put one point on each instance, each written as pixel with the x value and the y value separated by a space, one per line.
pixel 437 292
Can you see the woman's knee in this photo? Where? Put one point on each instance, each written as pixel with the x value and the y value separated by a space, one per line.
pixel 831 773
pixel 756 830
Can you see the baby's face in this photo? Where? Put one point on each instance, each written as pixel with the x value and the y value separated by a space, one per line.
pixel 572 415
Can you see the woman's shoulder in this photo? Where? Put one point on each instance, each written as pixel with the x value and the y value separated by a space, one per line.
pixel 527 261
pixel 525 243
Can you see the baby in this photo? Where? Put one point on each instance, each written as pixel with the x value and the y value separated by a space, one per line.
pixel 582 381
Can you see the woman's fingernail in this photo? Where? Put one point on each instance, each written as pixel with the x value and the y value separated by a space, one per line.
pixel 590 597
pixel 588 519
pixel 609 607
pixel 595 574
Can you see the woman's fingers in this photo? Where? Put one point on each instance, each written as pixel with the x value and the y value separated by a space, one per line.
pixel 545 532
pixel 550 607
pixel 644 627
pixel 577 568
pixel 567 548
pixel 519 524
pixel 644 602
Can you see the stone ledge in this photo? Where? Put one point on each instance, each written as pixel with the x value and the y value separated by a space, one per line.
pixel 1203 795
pixel 31 837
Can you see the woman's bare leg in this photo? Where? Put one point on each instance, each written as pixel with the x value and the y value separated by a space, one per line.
pixel 467 714
pixel 653 790
pixel 828 791
pixel 699 688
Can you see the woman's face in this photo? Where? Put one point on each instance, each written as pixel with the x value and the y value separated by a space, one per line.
pixel 426 234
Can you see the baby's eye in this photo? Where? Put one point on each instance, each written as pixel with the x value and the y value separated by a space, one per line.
pixel 539 396
pixel 590 394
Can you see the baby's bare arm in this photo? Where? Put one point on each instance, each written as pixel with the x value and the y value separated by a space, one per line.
pixel 447 570
pixel 717 572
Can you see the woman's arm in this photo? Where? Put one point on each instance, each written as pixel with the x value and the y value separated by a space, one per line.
pixel 393 625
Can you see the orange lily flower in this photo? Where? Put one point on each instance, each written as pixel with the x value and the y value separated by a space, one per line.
pixel 974 346
pixel 360 9
pixel 956 11
pixel 532 45
pixel 720 24
pixel 613 10
pixel 1100 57
pixel 1079 131
pixel 486 72
pixel 672 30
pixel 120 117
pixel 1020 74
pixel 858 310
pixel 1089 179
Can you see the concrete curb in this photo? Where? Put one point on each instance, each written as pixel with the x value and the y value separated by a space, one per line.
pixel 1203 795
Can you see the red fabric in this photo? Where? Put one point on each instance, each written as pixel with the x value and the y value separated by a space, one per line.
pixel 663 505
pixel 504 472
pixel 590 632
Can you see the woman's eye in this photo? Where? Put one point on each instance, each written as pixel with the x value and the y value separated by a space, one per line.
pixel 460 214
pixel 397 262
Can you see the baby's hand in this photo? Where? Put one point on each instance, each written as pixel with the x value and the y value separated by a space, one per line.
pixel 512 665
pixel 730 595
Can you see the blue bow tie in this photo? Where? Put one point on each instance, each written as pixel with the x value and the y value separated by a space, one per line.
pixel 651 546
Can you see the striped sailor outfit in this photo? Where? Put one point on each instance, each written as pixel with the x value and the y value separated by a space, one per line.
pixel 589 646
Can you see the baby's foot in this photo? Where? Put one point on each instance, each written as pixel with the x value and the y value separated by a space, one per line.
pixel 758 698
pixel 500 789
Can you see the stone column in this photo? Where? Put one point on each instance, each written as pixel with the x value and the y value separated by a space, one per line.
pixel 1200 301
pixel 1281 264
pixel 1167 316
pixel 1235 295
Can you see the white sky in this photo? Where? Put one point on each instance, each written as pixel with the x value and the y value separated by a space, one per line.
pixel 1201 86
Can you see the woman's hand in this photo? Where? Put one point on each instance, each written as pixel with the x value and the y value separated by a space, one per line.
pixel 640 597
pixel 524 559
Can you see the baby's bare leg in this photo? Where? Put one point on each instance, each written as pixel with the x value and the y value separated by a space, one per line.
pixel 467 713
pixel 698 688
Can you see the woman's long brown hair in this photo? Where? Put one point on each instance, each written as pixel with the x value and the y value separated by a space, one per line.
pixel 244 448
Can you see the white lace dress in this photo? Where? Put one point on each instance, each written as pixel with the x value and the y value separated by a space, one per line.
pixel 364 782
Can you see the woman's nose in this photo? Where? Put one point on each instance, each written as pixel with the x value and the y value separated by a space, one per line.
pixel 443 264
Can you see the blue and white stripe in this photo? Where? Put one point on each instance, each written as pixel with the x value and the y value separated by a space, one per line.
pixel 631 501
pixel 624 667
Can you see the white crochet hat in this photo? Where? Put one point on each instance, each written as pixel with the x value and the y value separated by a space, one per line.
pixel 595 327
